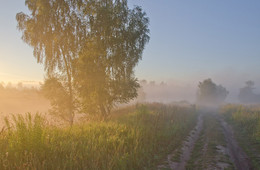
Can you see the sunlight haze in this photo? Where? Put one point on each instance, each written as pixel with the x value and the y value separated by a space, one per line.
pixel 190 41
pixel 130 84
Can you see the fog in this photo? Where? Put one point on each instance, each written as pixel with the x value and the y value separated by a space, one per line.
pixel 175 90
pixel 166 92
pixel 22 98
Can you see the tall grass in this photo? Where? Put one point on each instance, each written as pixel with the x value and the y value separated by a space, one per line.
pixel 246 123
pixel 247 118
pixel 139 139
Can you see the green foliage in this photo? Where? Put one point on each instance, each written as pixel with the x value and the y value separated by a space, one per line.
pixel 24 142
pixel 90 47
pixel 59 98
pixel 135 140
pixel 56 30
pixel 246 123
pixel 245 117
pixel 105 67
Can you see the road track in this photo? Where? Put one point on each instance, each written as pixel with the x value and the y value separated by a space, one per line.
pixel 221 153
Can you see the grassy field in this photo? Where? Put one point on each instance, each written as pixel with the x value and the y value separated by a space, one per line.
pixel 139 137
pixel 246 124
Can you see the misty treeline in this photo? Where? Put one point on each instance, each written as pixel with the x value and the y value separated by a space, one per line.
pixel 89 49
pixel 211 94
pixel 10 87
pixel 11 92
pixel 208 93
pixel 247 94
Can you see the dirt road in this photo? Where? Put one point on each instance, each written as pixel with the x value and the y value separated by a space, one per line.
pixel 237 155
pixel 210 145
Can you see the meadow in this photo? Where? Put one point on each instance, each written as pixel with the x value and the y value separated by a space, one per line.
pixel 245 121
pixel 136 137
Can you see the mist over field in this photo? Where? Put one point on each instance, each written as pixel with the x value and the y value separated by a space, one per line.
pixel 169 91
pixel 179 90
pixel 129 84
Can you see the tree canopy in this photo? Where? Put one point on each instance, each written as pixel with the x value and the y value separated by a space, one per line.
pixel 88 47
pixel 105 67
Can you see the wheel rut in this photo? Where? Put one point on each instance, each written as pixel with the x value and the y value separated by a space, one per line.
pixel 237 155
pixel 186 149
pixel 210 145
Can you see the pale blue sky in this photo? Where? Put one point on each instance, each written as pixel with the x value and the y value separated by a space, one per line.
pixel 190 40
pixel 202 37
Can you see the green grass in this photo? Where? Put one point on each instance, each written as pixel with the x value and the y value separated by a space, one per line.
pixel 139 139
pixel 245 121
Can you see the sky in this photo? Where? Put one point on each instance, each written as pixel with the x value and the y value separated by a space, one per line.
pixel 191 40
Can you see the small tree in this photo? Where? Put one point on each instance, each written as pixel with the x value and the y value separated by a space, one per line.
pixel 105 68
pixel 210 94
pixel 247 95
pixel 54 90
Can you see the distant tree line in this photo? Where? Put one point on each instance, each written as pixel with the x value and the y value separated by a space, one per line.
pixel 9 86
pixel 211 94
pixel 19 90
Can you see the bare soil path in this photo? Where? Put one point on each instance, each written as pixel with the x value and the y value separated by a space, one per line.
pixel 210 145
pixel 186 149
pixel 237 155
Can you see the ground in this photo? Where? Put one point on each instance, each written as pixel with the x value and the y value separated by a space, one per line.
pixel 210 145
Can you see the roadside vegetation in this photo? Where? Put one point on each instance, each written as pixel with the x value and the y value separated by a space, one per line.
pixel 137 137
pixel 245 121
